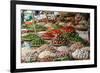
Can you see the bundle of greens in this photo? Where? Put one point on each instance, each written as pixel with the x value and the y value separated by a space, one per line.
pixel 73 37
pixel 57 26
pixel 28 37
pixel 38 42
pixel 40 27
pixel 34 39
pixel 27 26
pixel 32 26
pixel 65 58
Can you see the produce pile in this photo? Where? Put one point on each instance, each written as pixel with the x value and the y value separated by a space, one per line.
pixel 54 37
pixel 34 39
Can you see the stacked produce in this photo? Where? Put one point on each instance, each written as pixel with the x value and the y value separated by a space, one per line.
pixel 46 56
pixel 54 36
pixel 81 54
pixel 75 46
pixel 34 39
pixel 28 55
pixel 40 27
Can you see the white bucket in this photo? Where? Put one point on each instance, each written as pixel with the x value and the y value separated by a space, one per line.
pixel 83 34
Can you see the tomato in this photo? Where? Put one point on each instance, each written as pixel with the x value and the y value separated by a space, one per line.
pixel 68 29
pixel 48 35
pixel 56 31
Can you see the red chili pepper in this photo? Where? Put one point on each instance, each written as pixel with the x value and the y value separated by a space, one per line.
pixel 56 31
pixel 68 29
pixel 48 35
pixel 28 23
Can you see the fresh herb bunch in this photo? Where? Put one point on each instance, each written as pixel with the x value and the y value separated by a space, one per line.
pixel 34 39
pixel 37 27
pixel 72 37
pixel 65 58
pixel 57 26
pixel 38 42
pixel 40 27
pixel 28 37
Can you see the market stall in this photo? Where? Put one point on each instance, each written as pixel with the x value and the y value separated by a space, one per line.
pixel 54 36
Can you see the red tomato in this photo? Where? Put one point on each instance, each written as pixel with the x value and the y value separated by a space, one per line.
pixel 48 35
pixel 56 31
pixel 68 29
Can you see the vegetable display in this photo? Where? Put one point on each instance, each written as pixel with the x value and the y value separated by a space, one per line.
pixel 48 36
pixel 63 58
pixel 72 37
pixel 40 27
pixel 54 36
pixel 34 39
pixel 80 54
pixel 69 29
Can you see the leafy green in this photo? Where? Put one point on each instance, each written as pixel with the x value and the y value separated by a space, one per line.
pixel 34 39
pixel 37 27
pixel 57 26
pixel 72 37
pixel 63 58
pixel 40 27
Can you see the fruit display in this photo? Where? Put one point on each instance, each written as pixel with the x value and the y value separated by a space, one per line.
pixel 48 36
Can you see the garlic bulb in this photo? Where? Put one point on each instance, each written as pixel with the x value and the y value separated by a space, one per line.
pixel 45 54
pixel 42 48
pixel 62 48
pixel 46 47
pixel 86 48
pixel 81 54
pixel 61 53
pixel 28 55
pixel 75 46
